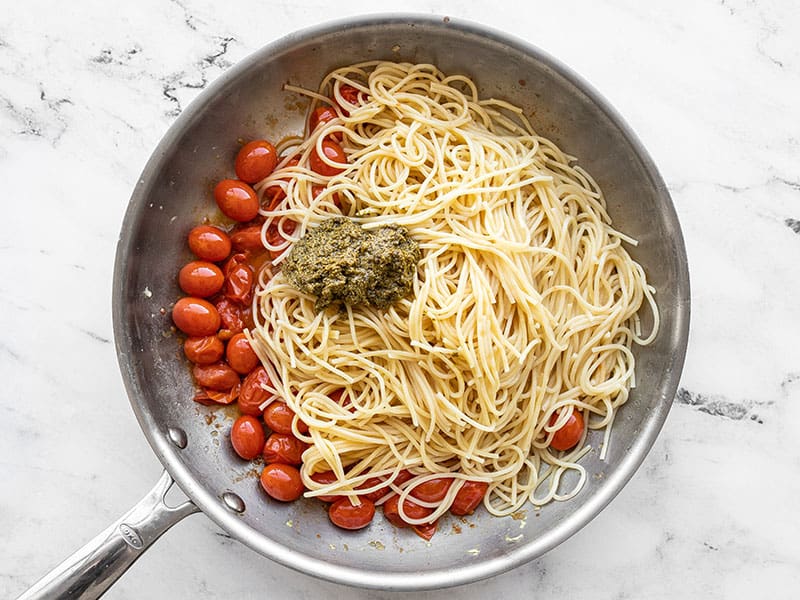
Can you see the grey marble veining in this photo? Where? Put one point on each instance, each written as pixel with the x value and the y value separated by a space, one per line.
pixel 711 87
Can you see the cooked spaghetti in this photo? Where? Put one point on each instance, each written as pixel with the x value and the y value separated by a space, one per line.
pixel 524 306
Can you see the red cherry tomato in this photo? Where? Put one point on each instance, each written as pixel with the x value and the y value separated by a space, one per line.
pixel 343 514
pixel 247 239
pixel 209 397
pixel 240 355
pixel 469 497
pixel 209 243
pixel 325 477
pixel 432 490
pixel 426 531
pixel 282 482
pixel 255 160
pixel 316 190
pixel 377 494
pixel 569 434
pixel 282 448
pixel 239 279
pixel 253 395
pixel 247 437
pixel 217 376
pixel 411 509
pixel 233 316
pixel 402 477
pixel 352 98
pixel 236 200
pixel 274 236
pixel 195 317
pixel 274 194
pixel 321 116
pixel 334 153
pixel 279 417
pixel 201 278
pixel 203 350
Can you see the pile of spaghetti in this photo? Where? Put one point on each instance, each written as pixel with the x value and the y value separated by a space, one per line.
pixel 523 311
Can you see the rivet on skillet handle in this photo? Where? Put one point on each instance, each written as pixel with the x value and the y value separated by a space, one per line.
pixel 90 571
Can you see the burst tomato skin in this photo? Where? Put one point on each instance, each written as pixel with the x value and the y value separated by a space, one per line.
pixel 247 239
pixel 239 279
pixel 253 395
pixel 203 350
pixel 469 497
pixel 432 490
pixel 217 376
pixel 412 510
pixel 282 448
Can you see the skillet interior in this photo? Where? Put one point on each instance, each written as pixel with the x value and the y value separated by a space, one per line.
pixel 174 194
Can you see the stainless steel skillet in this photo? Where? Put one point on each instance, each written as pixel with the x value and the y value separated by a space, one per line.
pixel 173 194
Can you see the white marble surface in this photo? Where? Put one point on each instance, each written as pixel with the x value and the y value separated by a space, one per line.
pixel 713 89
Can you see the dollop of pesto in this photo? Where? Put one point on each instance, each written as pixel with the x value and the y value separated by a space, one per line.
pixel 341 262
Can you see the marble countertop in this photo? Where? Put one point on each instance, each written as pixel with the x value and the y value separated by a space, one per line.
pixel 711 87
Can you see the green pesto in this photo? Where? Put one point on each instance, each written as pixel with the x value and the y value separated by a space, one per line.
pixel 341 262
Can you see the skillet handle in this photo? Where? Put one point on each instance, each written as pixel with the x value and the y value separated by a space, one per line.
pixel 90 571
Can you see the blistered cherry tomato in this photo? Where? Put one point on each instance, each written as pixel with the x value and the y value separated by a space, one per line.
pixel 253 395
pixel 282 482
pixel 377 494
pixel 469 497
pixel 325 477
pixel 236 200
pixel 274 194
pixel 426 531
pixel 201 278
pixel 209 397
pixel 278 417
pixel 334 153
pixel 247 437
pixel 232 315
pixel 432 490
pixel 203 350
pixel 402 477
pixel 247 239
pixel 209 243
pixel 411 509
pixel 239 279
pixel 316 190
pixel 321 116
pixel 240 355
pixel 255 160
pixel 351 96
pixel 216 376
pixel 343 514
pixel 195 317
pixel 283 448
pixel 570 433
pixel 275 237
